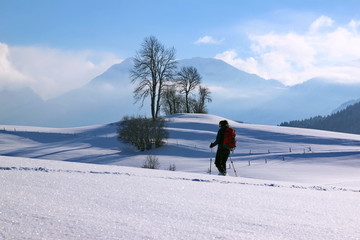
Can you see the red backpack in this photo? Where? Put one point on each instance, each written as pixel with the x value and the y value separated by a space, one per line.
pixel 230 139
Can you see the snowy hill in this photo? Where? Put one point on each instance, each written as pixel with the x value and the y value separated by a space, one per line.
pixel 283 148
pixel 308 188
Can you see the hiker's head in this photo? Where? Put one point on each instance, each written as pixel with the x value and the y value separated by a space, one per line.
pixel 223 123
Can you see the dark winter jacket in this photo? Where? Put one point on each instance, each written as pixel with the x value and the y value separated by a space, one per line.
pixel 220 138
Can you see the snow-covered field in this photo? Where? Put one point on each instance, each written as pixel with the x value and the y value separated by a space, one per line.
pixel 81 183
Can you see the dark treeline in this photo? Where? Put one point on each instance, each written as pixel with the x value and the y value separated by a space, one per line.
pixel 346 120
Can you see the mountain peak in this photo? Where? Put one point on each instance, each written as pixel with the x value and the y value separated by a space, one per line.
pixel 215 70
pixel 115 74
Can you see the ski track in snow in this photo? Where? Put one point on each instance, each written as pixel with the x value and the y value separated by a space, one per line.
pixel 43 169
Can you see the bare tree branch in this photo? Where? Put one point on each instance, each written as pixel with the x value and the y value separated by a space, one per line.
pixel 188 80
pixel 153 67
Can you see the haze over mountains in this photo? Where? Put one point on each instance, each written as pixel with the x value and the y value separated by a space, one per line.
pixel 236 95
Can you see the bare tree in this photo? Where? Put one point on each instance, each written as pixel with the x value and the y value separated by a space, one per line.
pixel 204 96
pixel 188 80
pixel 153 66
pixel 172 101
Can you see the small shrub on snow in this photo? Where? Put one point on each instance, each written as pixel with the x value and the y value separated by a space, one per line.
pixel 151 162
pixel 172 167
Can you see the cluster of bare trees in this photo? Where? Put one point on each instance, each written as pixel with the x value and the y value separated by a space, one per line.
pixel 179 95
pixel 169 89
pixel 155 72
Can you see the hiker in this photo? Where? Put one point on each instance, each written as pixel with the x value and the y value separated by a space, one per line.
pixel 222 152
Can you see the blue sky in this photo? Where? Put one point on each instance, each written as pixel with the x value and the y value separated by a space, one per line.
pixel 62 44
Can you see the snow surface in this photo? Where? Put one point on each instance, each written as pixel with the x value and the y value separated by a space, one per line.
pixel 81 183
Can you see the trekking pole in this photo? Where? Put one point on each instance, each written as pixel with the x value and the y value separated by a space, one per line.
pixel 210 162
pixel 232 163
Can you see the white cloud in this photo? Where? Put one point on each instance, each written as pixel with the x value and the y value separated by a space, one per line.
pixel 50 72
pixel 354 25
pixel 319 23
pixel 248 65
pixel 294 58
pixel 208 40
pixel 9 75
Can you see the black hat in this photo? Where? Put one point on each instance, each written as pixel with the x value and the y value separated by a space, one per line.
pixel 223 123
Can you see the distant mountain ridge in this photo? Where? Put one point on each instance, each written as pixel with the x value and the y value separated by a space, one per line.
pixel 345 105
pixel 236 95
pixel 18 104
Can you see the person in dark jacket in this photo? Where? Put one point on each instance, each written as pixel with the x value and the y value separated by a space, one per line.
pixel 222 152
